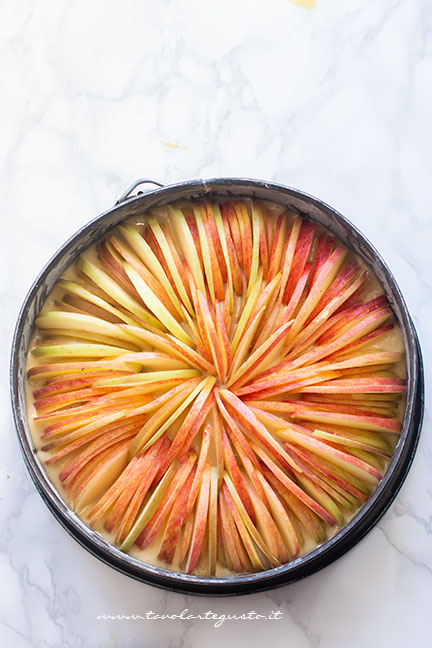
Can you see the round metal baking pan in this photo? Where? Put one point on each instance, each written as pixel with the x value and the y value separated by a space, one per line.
pixel 366 517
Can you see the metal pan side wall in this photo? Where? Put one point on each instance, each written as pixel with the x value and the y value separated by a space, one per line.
pixel 367 516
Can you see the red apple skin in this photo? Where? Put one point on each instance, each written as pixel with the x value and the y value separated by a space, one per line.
pixel 263 251
pixel 237 477
pixel 337 287
pixel 56 402
pixel 79 486
pixel 310 459
pixel 152 465
pixel 200 521
pixel 229 531
pixel 115 269
pixel 323 250
pixel 150 531
pixel 175 522
pixel 374 320
pixel 73 384
pixel 189 429
pixel 130 484
pixel 228 217
pixel 139 466
pixel 304 243
pixel 213 237
pixel 155 286
pixel 289 485
pixel 88 367
pixel 69 445
pixel 245 230
pixel 105 441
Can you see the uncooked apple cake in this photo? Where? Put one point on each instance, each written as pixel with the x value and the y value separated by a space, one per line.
pixel 217 387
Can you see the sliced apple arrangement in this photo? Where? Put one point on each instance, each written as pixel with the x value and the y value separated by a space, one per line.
pixel 211 383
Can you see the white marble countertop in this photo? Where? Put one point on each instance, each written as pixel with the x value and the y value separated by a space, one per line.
pixel 335 100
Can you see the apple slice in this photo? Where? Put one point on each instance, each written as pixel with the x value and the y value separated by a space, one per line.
pixel 171 535
pixel 200 521
pixel 226 536
pixel 150 377
pixel 149 509
pixel 193 421
pixel 216 450
pixel 92 450
pixel 56 402
pixel 246 312
pixel 287 261
pixel 290 486
pixel 320 496
pixel 156 306
pixel 165 416
pixel 159 287
pixel 154 457
pixel 128 481
pixel 112 288
pixel 301 254
pixel 185 239
pixel 308 519
pixel 142 248
pixel 324 247
pixel 278 245
pixel 237 478
pixel 212 267
pixel 72 350
pixel 157 361
pixel 211 215
pixel 247 530
pixel 185 540
pixel 77 290
pixel 247 418
pixel 106 402
pixel 256 236
pixel 61 369
pixel 71 442
pixel 150 531
pixel 359 385
pixel 244 345
pixel 223 248
pixel 101 476
pixel 298 296
pixel 267 299
pixel 171 345
pixel 243 218
pixel 242 537
pixel 243 448
pixel 59 386
pixel 228 219
pixel 325 276
pixel 255 360
pixel 281 517
pixel 218 351
pixel 267 528
pixel 212 520
pixel 357 488
pixel 109 261
pixel 324 320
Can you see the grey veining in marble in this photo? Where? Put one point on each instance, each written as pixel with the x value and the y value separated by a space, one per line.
pixel 336 101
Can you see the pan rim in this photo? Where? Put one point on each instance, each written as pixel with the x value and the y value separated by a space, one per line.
pixel 324 554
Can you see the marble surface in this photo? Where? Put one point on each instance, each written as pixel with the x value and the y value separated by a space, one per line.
pixel 335 100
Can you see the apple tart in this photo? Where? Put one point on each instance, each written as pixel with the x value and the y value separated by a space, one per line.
pixel 216 387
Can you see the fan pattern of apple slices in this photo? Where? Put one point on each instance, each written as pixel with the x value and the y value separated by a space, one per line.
pixel 211 383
